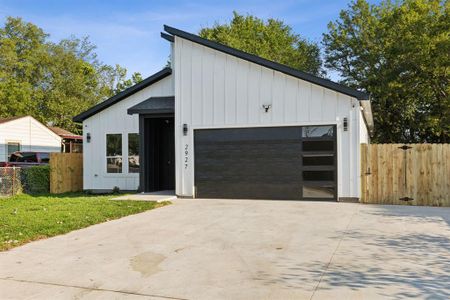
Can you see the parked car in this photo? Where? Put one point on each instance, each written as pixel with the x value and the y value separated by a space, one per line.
pixel 27 159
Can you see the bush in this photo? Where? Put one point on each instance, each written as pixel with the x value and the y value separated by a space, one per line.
pixel 116 190
pixel 36 180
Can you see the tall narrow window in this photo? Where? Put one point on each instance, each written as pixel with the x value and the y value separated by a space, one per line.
pixel 114 153
pixel 12 147
pixel 133 153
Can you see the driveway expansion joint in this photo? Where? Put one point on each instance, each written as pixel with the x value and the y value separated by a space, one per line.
pixel 334 252
pixel 91 288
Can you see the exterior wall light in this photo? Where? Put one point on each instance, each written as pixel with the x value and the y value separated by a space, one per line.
pixel 185 129
pixel 266 107
pixel 345 124
pixel 88 137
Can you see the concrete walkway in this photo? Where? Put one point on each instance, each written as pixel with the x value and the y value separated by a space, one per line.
pixel 219 249
pixel 160 196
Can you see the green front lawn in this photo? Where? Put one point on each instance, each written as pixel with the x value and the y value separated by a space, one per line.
pixel 25 218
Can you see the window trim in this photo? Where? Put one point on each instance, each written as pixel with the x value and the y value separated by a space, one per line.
pixel 128 152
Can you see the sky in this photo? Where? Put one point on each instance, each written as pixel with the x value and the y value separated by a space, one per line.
pixel 127 32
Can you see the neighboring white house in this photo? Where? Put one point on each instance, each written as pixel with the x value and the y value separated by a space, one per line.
pixel 223 123
pixel 26 134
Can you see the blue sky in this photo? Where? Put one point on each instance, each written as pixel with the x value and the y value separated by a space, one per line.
pixel 128 32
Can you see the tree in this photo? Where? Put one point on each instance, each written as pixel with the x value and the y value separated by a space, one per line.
pixel 52 81
pixel 400 53
pixel 271 39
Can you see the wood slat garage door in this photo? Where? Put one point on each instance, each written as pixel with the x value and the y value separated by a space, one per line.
pixel 264 163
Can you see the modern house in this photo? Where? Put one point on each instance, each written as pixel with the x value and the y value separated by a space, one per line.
pixel 222 123
pixel 26 134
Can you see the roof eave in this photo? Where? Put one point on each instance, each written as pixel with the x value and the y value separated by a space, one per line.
pixel 122 95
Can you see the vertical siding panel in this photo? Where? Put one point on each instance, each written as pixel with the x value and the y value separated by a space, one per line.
pixel 219 90
pixel 290 100
pixel 230 91
pixel 344 108
pixel 315 108
pixel 329 105
pixel 254 83
pixel 196 89
pixel 267 78
pixel 303 101
pixel 177 66
pixel 278 91
pixel 242 99
pixel 186 82
pixel 207 86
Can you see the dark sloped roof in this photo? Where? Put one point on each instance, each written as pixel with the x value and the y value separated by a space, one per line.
pixel 9 119
pixel 154 105
pixel 267 63
pixel 122 95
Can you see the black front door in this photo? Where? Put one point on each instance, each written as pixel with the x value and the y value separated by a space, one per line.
pixel 157 144
pixel 167 155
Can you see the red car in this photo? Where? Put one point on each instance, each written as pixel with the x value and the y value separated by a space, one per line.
pixel 27 159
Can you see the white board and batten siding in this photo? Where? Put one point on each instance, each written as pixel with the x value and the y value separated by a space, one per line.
pixel 30 133
pixel 115 120
pixel 217 90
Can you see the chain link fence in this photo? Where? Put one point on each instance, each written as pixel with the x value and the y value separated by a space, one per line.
pixel 10 181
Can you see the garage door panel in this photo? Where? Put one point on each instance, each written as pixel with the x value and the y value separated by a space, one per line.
pixel 249 190
pixel 264 163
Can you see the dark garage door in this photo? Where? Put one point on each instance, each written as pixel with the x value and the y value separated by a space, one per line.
pixel 288 163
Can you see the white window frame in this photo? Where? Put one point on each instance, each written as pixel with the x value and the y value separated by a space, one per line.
pixel 7 142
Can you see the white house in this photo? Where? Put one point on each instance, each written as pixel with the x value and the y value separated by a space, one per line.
pixel 26 134
pixel 222 123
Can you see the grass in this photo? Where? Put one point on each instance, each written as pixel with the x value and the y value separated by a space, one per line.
pixel 25 218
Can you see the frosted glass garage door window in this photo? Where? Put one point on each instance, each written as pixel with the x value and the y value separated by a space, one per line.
pixel 318 131
pixel 114 153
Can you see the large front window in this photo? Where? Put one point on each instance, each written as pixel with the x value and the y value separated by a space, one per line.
pixel 133 153
pixel 114 153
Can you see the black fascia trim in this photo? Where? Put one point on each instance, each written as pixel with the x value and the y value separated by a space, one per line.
pixel 167 37
pixel 269 64
pixel 122 95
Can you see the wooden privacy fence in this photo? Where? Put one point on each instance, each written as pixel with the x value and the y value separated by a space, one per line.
pixel 66 172
pixel 414 174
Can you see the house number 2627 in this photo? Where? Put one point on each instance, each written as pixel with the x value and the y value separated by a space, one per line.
pixel 186 155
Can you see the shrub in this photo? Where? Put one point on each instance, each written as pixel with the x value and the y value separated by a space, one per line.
pixel 116 190
pixel 36 180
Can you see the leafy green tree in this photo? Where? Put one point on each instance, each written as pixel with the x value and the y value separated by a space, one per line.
pixel 52 81
pixel 400 53
pixel 271 39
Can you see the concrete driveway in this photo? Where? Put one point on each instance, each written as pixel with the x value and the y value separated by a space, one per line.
pixel 219 249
